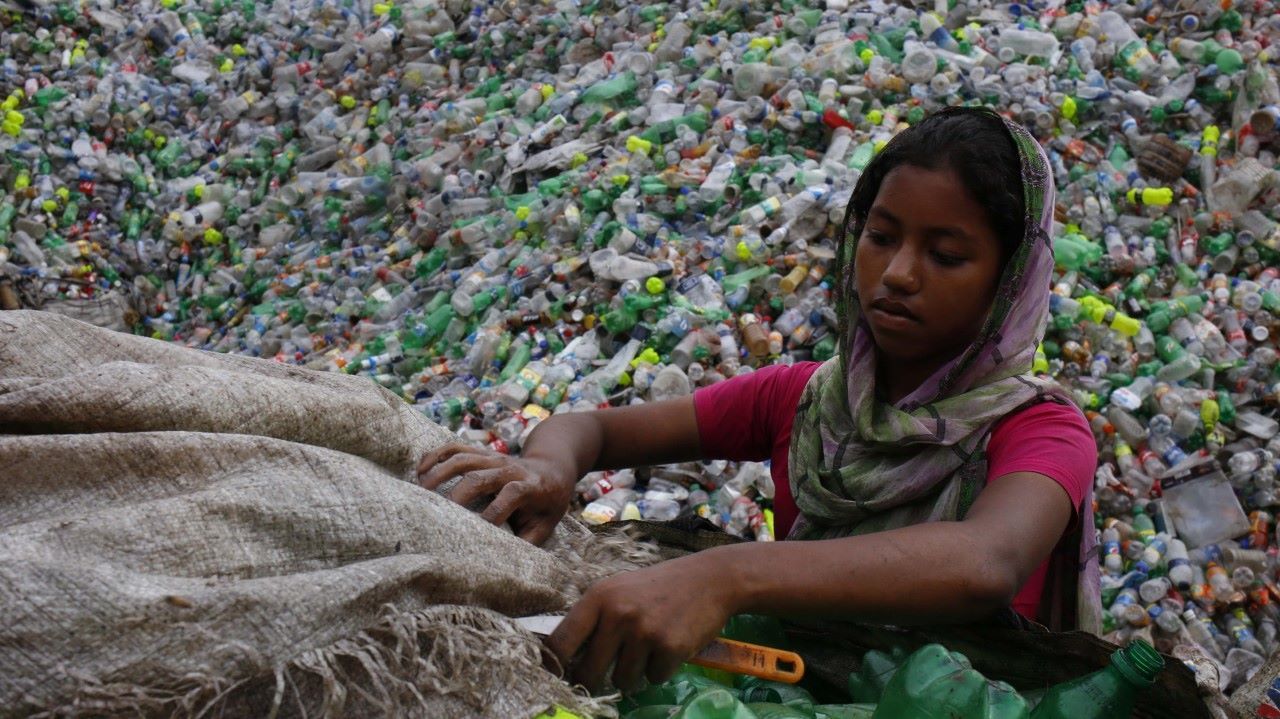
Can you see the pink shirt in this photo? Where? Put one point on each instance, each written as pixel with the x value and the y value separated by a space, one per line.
pixel 748 418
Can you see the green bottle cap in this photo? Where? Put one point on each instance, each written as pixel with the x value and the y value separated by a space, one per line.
pixel 1139 663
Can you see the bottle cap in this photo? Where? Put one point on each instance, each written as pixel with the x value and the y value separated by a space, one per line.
pixel 1139 663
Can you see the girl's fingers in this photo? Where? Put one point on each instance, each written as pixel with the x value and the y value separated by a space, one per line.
pixel 507 502
pixel 478 484
pixel 628 673
pixel 663 667
pixel 539 530
pixel 456 465
pixel 567 638
pixel 601 651
pixel 442 453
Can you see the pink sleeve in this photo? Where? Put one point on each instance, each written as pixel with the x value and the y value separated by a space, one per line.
pixel 740 418
pixel 1050 439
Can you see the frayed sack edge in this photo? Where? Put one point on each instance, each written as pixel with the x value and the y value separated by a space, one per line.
pixel 429 663
pixel 593 556
pixel 404 666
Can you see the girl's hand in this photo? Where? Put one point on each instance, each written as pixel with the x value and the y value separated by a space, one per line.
pixel 646 622
pixel 532 493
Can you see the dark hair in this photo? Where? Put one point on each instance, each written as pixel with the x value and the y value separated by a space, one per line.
pixel 971 142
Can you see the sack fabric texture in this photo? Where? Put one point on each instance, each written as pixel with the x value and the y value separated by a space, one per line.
pixel 191 534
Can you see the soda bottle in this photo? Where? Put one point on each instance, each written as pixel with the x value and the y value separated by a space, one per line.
pixel 609 507
pixel 1179 567
pixel 1107 693
pixel 1203 632
pixel 715 703
pixel 935 684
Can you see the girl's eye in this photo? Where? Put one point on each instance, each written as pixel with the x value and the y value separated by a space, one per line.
pixel 877 238
pixel 947 260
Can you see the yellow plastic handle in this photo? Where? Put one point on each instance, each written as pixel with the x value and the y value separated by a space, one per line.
pixel 752 659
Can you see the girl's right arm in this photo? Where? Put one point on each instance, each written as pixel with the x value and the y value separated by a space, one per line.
pixel 533 491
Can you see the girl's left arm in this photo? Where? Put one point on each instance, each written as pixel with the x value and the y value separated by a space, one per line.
pixel 646 622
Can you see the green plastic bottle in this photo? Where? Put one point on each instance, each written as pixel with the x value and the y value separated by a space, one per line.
pixel 868 683
pixel 609 89
pixel 653 711
pixel 1164 313
pixel 1108 693
pixel 7 213
pixel 729 284
pixel 844 711
pixel 1075 252
pixel 673 692
pixel 862 156
pixel 714 703
pixel 769 710
pixel 937 684
pixel 753 690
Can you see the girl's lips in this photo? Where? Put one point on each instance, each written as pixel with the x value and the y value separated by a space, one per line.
pixel 894 308
pixel 891 321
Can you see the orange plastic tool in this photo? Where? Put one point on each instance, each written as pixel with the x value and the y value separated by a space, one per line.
pixel 753 659
pixel 724 654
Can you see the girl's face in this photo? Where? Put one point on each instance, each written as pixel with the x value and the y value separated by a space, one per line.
pixel 926 267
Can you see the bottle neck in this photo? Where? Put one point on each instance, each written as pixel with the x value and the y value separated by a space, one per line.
pixel 1138 664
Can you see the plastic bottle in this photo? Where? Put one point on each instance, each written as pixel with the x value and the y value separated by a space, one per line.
pixel 714 185
pixel 1132 53
pixel 933 682
pixel 1109 692
pixel 1028 43
pixel 596 484
pixel 1199 629
pixel 919 64
pixel 610 506
pixel 1179 567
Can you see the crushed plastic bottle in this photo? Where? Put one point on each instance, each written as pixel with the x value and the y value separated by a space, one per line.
pixel 504 211
pixel 934 682
pixel 929 682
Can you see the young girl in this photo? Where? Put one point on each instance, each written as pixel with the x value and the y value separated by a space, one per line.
pixel 932 472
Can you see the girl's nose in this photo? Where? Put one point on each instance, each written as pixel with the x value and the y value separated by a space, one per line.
pixel 901 274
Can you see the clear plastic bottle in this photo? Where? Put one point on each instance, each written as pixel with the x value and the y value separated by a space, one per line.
pixel 1027 43
pixel 1245 463
pixel 1198 628
pixel 609 507
pixel 1179 567
pixel 919 64
pixel 1130 398
pixel 713 186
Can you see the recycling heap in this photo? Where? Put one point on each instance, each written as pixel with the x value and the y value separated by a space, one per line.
pixel 502 210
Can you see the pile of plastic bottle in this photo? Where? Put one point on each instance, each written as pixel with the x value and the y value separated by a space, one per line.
pixel 930 683
pixel 501 210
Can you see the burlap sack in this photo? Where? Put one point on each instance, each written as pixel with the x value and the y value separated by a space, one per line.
pixel 1246 700
pixel 184 532
pixel 112 310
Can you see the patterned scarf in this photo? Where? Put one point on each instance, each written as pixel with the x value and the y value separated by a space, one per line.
pixel 859 465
